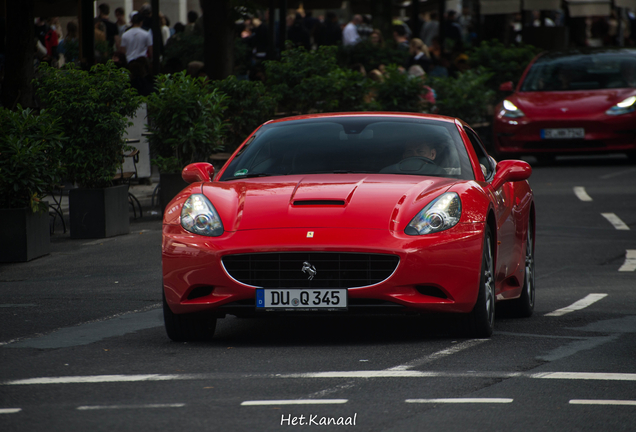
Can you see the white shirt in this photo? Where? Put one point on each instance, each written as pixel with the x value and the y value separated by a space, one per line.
pixel 350 35
pixel 136 41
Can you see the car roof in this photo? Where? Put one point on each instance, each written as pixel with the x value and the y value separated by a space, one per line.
pixel 576 53
pixel 379 114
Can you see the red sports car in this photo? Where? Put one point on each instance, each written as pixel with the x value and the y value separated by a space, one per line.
pixel 347 213
pixel 578 101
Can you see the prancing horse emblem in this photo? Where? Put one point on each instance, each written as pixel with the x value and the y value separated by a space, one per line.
pixel 309 269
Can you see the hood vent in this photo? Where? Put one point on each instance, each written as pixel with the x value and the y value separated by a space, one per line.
pixel 319 202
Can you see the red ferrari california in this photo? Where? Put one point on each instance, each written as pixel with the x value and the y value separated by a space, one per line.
pixel 571 102
pixel 350 213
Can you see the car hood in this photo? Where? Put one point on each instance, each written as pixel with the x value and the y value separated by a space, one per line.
pixel 378 201
pixel 578 103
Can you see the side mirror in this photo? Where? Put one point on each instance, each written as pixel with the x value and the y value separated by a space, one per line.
pixel 507 87
pixel 511 171
pixel 198 172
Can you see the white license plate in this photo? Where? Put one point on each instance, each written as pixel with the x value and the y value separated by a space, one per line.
pixel 563 133
pixel 297 299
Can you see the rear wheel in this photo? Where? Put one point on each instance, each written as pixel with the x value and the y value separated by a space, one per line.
pixel 187 327
pixel 481 321
pixel 524 305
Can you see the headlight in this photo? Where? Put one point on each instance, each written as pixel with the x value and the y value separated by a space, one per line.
pixel 440 214
pixel 624 107
pixel 510 110
pixel 199 216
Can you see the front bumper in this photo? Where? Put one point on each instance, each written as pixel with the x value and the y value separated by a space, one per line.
pixel 449 262
pixel 603 134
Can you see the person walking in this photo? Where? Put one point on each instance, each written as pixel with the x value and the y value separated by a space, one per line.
pixel 136 42
pixel 350 36
pixel 112 31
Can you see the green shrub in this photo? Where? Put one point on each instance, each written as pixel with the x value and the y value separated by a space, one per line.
pixel 312 81
pixel 466 96
pixel 185 120
pixel 298 78
pixel 370 56
pixel 349 90
pixel 399 92
pixel 248 106
pixel 505 63
pixel 30 147
pixel 186 47
pixel 93 108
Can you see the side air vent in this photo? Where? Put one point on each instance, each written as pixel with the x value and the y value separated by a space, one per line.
pixel 431 291
pixel 199 292
pixel 319 202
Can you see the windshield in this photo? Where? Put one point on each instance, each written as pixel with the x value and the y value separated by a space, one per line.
pixel 354 145
pixel 582 72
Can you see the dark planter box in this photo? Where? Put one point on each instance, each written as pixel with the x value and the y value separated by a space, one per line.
pixel 24 235
pixel 99 213
pixel 169 186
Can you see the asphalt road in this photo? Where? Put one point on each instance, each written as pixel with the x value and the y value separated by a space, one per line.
pixel 82 345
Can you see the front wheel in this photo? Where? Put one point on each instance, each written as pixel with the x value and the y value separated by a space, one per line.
pixel 524 305
pixel 187 327
pixel 481 321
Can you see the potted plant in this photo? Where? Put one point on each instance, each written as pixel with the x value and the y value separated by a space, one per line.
pixel 185 124
pixel 93 107
pixel 29 168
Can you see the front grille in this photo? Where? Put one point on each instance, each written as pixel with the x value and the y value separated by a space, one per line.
pixel 333 269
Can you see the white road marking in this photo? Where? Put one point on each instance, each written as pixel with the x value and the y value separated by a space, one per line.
pixel 438 355
pixel 615 221
pixel 116 407
pixel 602 402
pixel 581 304
pixel 295 402
pixel 96 379
pixel 461 400
pixel 617 174
pixel 10 410
pixel 630 261
pixel 599 376
pixel 581 194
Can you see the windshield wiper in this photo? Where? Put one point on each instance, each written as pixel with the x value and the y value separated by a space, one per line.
pixel 251 175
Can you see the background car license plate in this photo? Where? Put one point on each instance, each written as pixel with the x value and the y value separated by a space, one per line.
pixel 563 133
pixel 301 299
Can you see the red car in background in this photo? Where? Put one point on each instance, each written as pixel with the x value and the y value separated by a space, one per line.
pixel 570 102
pixel 350 213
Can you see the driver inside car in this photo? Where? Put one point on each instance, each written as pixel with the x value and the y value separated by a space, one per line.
pixel 418 158
pixel 419 149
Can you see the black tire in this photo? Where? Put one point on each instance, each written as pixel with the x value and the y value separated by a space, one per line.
pixel 480 322
pixel 187 327
pixel 524 305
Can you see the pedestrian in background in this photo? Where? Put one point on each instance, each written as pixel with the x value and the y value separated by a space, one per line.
pixel 122 25
pixel 112 31
pixel 350 35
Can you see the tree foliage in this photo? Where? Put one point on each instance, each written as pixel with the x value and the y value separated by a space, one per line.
pixel 465 96
pixel 93 107
pixel 248 106
pixel 185 120
pixel 504 63
pixel 30 148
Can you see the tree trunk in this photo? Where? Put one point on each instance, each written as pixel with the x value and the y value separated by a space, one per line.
pixel 218 30
pixel 20 45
